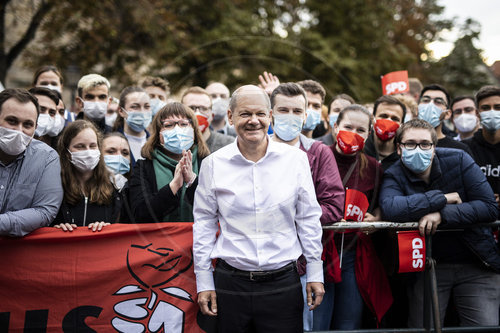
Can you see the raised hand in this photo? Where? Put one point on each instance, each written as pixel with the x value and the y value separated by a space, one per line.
pixel 268 82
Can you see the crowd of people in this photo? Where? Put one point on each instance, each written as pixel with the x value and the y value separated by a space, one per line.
pixel 259 171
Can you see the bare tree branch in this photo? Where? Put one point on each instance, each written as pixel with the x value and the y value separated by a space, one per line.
pixel 28 36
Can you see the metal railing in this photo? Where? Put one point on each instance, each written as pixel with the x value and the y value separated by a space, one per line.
pixel 431 301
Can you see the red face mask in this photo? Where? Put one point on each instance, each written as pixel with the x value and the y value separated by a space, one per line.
pixel 202 122
pixel 385 129
pixel 350 142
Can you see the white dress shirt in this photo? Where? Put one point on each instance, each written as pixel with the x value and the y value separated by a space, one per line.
pixel 267 210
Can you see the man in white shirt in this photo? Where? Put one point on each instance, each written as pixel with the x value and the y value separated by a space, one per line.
pixel 261 192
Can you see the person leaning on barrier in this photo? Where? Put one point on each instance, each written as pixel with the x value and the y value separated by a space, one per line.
pixel 262 194
pixel 289 103
pixel 162 185
pixel 345 291
pixel 89 196
pixel 441 186
pixel 30 182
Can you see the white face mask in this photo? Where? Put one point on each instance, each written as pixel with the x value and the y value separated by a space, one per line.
pixel 465 122
pixel 49 86
pixel 13 142
pixel 58 126
pixel 44 124
pixel 85 160
pixel 110 119
pixel 95 110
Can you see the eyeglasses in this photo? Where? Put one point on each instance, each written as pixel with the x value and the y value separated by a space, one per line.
pixel 199 107
pixel 437 100
pixel 170 124
pixel 488 107
pixel 412 145
pixel 467 109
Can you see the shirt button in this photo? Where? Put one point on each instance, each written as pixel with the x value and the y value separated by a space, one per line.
pixel 1 187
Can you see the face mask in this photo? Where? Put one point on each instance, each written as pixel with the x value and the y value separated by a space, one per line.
pixel 490 120
pixel 202 121
pixel 417 160
pixel 350 142
pixel 138 120
pixel 117 163
pixel 312 120
pixel 13 142
pixel 110 119
pixel 85 160
pixel 332 118
pixel 219 108
pixel 49 86
pixel 430 113
pixel 408 118
pixel 287 126
pixel 58 126
pixel 156 105
pixel 178 139
pixel 465 122
pixel 385 129
pixel 95 110
pixel 44 124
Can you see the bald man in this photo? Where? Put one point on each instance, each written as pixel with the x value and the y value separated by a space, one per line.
pixel 261 192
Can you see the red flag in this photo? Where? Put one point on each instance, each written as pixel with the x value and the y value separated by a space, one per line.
pixel 136 277
pixel 411 251
pixel 395 83
pixel 356 205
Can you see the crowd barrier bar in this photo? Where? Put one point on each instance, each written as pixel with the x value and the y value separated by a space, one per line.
pixel 431 301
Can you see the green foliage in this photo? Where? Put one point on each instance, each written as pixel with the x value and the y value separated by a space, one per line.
pixel 345 45
pixel 463 71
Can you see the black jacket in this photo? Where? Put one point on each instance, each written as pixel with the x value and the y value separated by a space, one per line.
pixel 487 156
pixel 147 203
pixel 371 150
pixel 84 213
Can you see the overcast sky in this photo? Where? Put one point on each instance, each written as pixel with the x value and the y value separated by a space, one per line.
pixel 485 12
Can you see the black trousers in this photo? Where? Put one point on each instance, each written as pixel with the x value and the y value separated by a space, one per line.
pixel 258 306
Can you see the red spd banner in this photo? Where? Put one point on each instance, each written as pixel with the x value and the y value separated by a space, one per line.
pixel 356 205
pixel 411 251
pixel 126 278
pixel 395 83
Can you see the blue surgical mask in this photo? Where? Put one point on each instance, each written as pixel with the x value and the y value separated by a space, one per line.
pixel 490 120
pixel 312 120
pixel 417 160
pixel 178 139
pixel 138 120
pixel 287 126
pixel 156 105
pixel 117 163
pixel 430 113
pixel 332 118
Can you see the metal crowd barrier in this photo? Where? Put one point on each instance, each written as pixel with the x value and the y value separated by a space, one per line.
pixel 430 287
